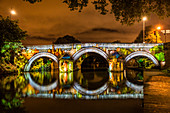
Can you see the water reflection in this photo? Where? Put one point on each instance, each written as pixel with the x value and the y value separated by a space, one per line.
pixel 91 83
pixel 40 80
pixel 91 80
pixel 85 85
pixel 134 79
pixel 135 76
pixel 11 88
pixel 66 79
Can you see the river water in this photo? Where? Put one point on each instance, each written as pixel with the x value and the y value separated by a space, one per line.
pixel 87 85
pixel 112 91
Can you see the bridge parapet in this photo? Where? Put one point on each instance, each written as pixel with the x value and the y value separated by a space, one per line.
pixel 104 46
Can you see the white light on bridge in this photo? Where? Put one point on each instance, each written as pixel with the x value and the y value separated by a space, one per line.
pixel 165 31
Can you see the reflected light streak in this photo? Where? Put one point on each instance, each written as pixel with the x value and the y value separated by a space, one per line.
pixel 134 86
pixel 90 92
pixel 39 87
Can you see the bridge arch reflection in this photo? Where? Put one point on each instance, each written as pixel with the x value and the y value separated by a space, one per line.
pixel 90 92
pixel 40 87
pixel 134 86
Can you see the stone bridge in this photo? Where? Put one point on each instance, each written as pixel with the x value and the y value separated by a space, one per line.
pixel 108 51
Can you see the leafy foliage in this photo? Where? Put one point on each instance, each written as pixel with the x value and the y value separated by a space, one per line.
pixel 100 5
pixel 11 87
pixel 76 4
pixel 157 51
pixel 11 57
pixel 32 1
pixel 41 64
pixel 150 37
pixel 145 63
pixel 125 51
pixel 126 89
pixel 10 36
pixel 160 56
pixel 10 31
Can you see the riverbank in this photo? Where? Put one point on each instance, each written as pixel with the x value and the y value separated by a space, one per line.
pixel 156 92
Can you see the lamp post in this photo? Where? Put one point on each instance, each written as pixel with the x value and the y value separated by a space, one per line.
pixel 158 28
pixel 144 19
pixel 165 36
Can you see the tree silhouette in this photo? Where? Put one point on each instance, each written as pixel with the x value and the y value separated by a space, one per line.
pixel 117 41
pixel 76 4
pixel 66 39
pixel 100 5
pixel 125 11
pixel 10 31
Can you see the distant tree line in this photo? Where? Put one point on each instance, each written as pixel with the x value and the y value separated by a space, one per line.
pixel 66 39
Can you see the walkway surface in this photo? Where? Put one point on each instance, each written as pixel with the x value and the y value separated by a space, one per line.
pixel 156 93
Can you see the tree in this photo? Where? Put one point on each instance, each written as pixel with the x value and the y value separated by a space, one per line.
pixel 125 11
pixel 10 31
pixel 150 36
pixel 117 41
pixel 33 1
pixel 10 46
pixel 66 39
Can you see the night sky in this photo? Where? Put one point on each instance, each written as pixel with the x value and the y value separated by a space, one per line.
pixel 50 19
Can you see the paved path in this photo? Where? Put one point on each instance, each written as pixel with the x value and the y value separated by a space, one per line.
pixel 156 93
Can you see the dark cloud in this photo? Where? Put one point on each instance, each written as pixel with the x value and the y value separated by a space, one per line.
pixel 105 30
pixel 41 38
pixel 51 35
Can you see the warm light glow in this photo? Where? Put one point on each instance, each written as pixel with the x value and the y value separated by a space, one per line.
pixel 144 18
pixel 158 28
pixel 13 12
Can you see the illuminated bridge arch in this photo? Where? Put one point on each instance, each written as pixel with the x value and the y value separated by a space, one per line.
pixel 80 52
pixel 39 55
pixel 142 53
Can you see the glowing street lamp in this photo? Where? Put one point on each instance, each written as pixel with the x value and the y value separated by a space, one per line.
pixel 158 28
pixel 144 19
pixel 12 12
